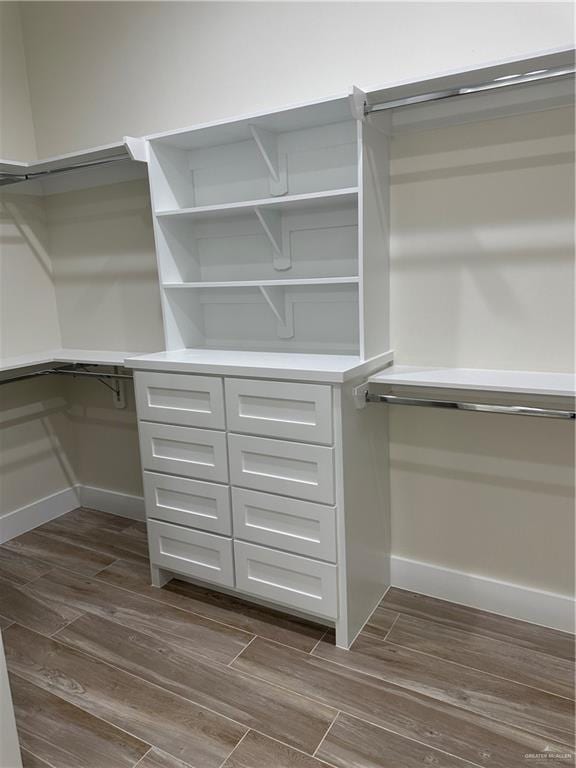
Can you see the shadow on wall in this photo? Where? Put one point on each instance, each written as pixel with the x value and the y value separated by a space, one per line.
pixel 482 270
pixel 486 494
pixel 37 444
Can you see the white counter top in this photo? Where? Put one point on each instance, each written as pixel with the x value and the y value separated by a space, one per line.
pixel 479 379
pixel 301 367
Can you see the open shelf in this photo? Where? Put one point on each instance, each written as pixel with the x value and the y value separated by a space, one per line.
pixel 256 164
pixel 264 283
pixel 256 244
pixel 298 318
pixel 479 379
pixel 306 202
pixel 106 164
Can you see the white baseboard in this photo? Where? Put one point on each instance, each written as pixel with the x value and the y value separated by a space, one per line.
pixel 26 518
pixel 512 600
pixel 113 502
pixel 42 511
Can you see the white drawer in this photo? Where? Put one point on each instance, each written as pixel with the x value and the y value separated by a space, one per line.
pixel 297 526
pixel 280 409
pixel 184 451
pixel 288 579
pixel 291 469
pixel 193 553
pixel 193 503
pixel 180 398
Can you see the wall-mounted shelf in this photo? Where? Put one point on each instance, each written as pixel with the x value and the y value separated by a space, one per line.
pixel 306 202
pixel 478 379
pixel 265 283
pixel 76 356
pixel 106 164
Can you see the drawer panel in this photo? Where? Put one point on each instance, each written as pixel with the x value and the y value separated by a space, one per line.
pixel 288 579
pixel 291 469
pixel 280 409
pixel 192 503
pixel 199 453
pixel 180 398
pixel 193 553
pixel 296 526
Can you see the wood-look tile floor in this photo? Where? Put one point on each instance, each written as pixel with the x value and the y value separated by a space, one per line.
pixel 108 672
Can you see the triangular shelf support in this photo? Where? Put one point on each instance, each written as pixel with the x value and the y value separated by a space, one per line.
pixel 267 143
pixel 271 222
pixel 275 296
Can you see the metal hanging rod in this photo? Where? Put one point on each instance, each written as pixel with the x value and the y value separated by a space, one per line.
pixel 512 410
pixel 65 372
pixel 497 83
pixel 82 372
pixel 13 178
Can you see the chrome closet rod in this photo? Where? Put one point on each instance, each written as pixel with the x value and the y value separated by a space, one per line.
pixel 74 372
pixel 524 79
pixel 65 372
pixel 512 410
pixel 13 178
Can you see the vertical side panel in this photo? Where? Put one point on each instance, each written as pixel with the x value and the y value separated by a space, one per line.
pixel 363 500
pixel 374 234
pixel 181 311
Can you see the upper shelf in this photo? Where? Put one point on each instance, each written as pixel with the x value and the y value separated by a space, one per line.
pixel 106 164
pixel 498 90
pixel 478 379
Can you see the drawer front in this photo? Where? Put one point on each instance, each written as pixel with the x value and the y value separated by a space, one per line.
pixel 296 526
pixel 291 469
pixel 288 579
pixel 185 451
pixel 280 409
pixel 180 398
pixel 192 503
pixel 193 553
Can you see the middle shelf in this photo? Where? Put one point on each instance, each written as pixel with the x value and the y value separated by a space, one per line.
pixel 353 280
pixel 256 244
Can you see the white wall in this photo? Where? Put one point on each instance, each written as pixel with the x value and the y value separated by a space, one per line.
pixel 17 139
pixel 472 492
pixel 102 249
pixel 36 442
pixel 101 70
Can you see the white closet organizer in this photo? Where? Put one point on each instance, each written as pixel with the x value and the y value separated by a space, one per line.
pixel 260 475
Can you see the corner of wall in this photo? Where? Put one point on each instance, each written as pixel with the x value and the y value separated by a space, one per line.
pixel 17 128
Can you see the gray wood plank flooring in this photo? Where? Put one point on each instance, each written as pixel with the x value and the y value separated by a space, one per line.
pixel 216 606
pixel 108 672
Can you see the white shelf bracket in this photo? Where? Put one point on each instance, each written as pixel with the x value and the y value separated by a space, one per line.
pixel 271 222
pixel 275 296
pixel 136 148
pixel 267 144
pixel 357 101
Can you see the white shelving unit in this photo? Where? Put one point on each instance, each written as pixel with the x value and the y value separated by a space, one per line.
pixel 264 229
pixel 272 245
